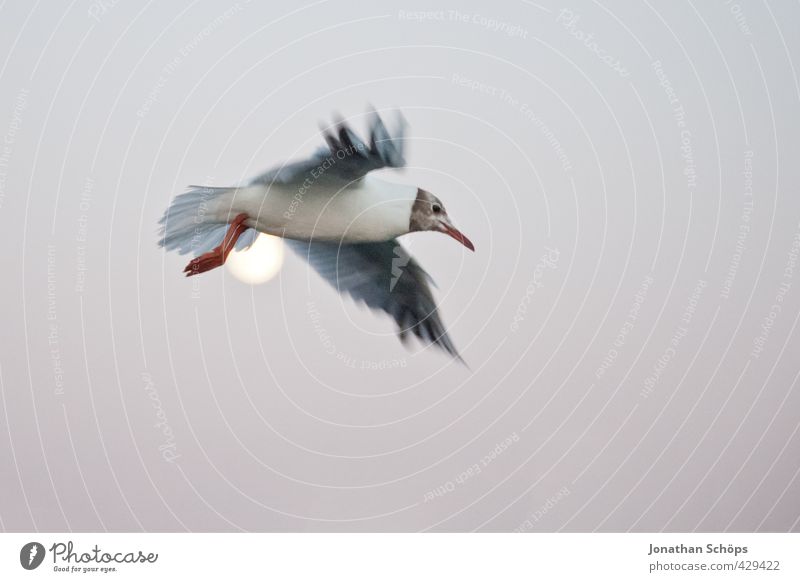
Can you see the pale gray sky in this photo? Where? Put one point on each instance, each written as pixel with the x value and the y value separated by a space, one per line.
pixel 627 173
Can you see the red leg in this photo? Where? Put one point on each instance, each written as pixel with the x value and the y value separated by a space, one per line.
pixel 217 256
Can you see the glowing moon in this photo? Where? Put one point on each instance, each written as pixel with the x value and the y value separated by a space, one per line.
pixel 258 264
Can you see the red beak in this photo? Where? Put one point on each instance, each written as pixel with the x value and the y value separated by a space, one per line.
pixel 458 235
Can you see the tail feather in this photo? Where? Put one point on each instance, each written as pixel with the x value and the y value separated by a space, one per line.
pixel 193 223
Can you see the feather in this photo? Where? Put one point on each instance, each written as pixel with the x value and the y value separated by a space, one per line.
pixel 365 272
pixel 347 157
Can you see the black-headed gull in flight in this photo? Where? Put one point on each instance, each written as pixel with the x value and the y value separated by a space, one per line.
pixel 334 213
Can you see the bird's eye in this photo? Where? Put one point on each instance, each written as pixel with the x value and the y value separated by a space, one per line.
pixel 437 208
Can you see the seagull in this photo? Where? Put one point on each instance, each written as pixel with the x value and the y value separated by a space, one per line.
pixel 333 212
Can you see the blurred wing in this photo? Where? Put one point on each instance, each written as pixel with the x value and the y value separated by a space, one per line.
pixel 347 157
pixel 385 277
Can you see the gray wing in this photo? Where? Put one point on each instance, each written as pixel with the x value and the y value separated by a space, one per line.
pixel 385 277
pixel 347 157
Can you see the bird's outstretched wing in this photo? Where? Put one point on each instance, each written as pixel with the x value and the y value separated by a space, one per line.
pixel 385 277
pixel 346 158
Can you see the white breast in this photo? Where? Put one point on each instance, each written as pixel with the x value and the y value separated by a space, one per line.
pixel 369 210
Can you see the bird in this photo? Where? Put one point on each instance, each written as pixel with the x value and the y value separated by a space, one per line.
pixel 332 211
